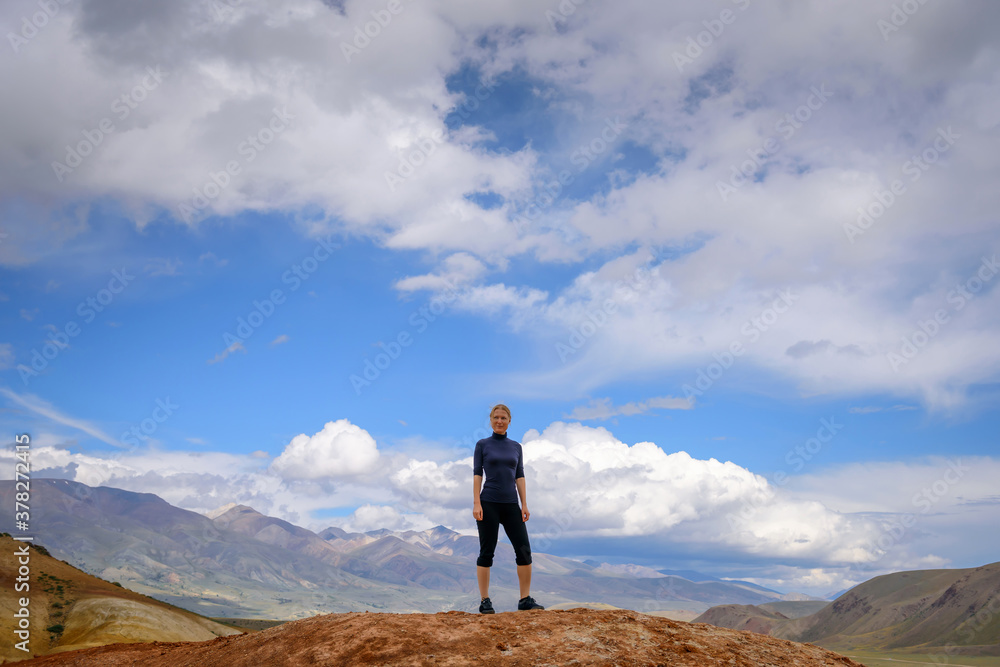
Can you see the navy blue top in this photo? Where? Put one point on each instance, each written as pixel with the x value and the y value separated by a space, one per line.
pixel 503 462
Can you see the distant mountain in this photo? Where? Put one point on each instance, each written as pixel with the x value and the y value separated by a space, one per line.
pixel 744 617
pixel 690 575
pixel 929 609
pixel 71 609
pixel 837 594
pixel 241 563
pixel 185 558
pixel 925 610
pixel 795 608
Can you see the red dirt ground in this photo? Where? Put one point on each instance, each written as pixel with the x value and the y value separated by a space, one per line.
pixel 570 637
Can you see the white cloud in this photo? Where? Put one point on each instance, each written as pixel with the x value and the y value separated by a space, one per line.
pixel 603 408
pixel 237 346
pixel 352 123
pixel 6 356
pixel 45 409
pixel 869 409
pixel 162 266
pixel 340 450
pixel 585 484
pixel 517 304
pixel 211 257
pixel 372 517
pixel 458 269
pixel 818 532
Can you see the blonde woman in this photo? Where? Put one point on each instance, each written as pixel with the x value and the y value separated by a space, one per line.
pixel 495 503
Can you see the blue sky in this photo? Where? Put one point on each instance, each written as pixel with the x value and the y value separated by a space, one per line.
pixel 771 263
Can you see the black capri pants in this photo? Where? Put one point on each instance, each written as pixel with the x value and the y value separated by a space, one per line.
pixel 508 514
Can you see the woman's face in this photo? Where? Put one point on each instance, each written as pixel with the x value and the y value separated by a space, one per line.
pixel 499 420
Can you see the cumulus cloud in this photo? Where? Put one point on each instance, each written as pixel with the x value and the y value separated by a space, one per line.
pixel 374 517
pixel 584 484
pixel 592 494
pixel 340 450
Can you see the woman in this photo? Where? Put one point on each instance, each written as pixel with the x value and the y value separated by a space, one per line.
pixel 501 459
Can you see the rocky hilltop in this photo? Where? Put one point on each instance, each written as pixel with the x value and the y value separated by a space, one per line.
pixel 571 637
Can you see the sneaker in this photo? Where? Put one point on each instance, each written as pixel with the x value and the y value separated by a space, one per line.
pixel 486 607
pixel 528 603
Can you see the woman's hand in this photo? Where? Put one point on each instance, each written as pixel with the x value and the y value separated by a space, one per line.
pixel 525 514
pixel 477 512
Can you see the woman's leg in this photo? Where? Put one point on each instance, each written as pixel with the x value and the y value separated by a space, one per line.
pixel 483 575
pixel 517 533
pixel 524 579
pixel 489 530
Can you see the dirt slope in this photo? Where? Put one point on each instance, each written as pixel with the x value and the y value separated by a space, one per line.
pixel 927 609
pixel 577 637
pixel 71 609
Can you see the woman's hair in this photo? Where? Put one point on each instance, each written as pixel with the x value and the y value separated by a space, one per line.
pixel 500 406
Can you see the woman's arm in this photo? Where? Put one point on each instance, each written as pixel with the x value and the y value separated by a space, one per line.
pixel 477 507
pixel 523 492
pixel 477 481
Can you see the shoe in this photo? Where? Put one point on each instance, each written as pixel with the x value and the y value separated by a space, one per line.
pixel 486 607
pixel 528 603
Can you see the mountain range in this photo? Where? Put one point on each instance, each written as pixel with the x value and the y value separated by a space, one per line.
pixel 237 562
